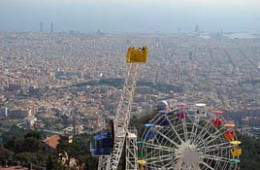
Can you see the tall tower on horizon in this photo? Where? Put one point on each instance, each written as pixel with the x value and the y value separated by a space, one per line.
pixel 197 28
pixel 41 27
pixel 51 27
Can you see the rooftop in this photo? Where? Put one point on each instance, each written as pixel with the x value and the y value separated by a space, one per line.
pixel 52 141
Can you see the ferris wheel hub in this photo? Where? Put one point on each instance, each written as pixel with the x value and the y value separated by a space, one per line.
pixel 188 154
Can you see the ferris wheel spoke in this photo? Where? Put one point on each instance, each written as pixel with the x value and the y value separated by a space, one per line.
pixel 213 137
pixel 215 158
pixel 179 164
pixel 202 144
pixel 184 126
pixel 216 148
pixel 219 145
pixel 159 160
pixel 169 164
pixel 199 136
pixel 153 149
pixel 196 167
pixel 158 147
pixel 160 156
pixel 208 166
pixel 165 137
pixel 174 130
pixel 194 127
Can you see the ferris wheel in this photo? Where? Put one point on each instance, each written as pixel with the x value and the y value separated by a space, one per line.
pixel 189 138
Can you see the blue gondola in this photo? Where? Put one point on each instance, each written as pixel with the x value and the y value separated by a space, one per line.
pixel 167 111
pixel 163 111
pixel 149 136
pixel 103 144
pixel 163 121
pixel 149 125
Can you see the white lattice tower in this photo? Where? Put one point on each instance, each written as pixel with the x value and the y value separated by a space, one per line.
pixel 121 120
pixel 103 162
pixel 122 117
pixel 131 150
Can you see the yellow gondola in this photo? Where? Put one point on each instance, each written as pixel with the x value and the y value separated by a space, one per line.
pixel 141 162
pixel 235 142
pixel 137 55
pixel 236 152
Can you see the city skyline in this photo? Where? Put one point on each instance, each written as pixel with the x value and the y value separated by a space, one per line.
pixel 122 16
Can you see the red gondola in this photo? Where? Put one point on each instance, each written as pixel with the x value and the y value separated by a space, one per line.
pixel 181 115
pixel 229 135
pixel 217 122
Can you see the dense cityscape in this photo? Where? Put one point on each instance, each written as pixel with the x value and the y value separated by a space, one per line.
pixel 70 83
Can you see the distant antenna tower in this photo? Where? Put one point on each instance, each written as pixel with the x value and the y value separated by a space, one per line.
pixel 51 27
pixel 197 28
pixel 41 27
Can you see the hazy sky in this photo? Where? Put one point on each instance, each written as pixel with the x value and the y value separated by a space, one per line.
pixel 130 15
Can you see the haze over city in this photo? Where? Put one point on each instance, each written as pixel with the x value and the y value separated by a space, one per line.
pixel 130 16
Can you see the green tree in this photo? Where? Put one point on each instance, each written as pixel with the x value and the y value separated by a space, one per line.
pixel 91 162
pixel 51 163
pixel 5 153
pixel 31 144
pixel 14 133
pixel 33 134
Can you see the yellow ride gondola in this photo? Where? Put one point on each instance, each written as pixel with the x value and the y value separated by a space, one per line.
pixel 137 55
pixel 235 142
pixel 141 162
pixel 236 152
